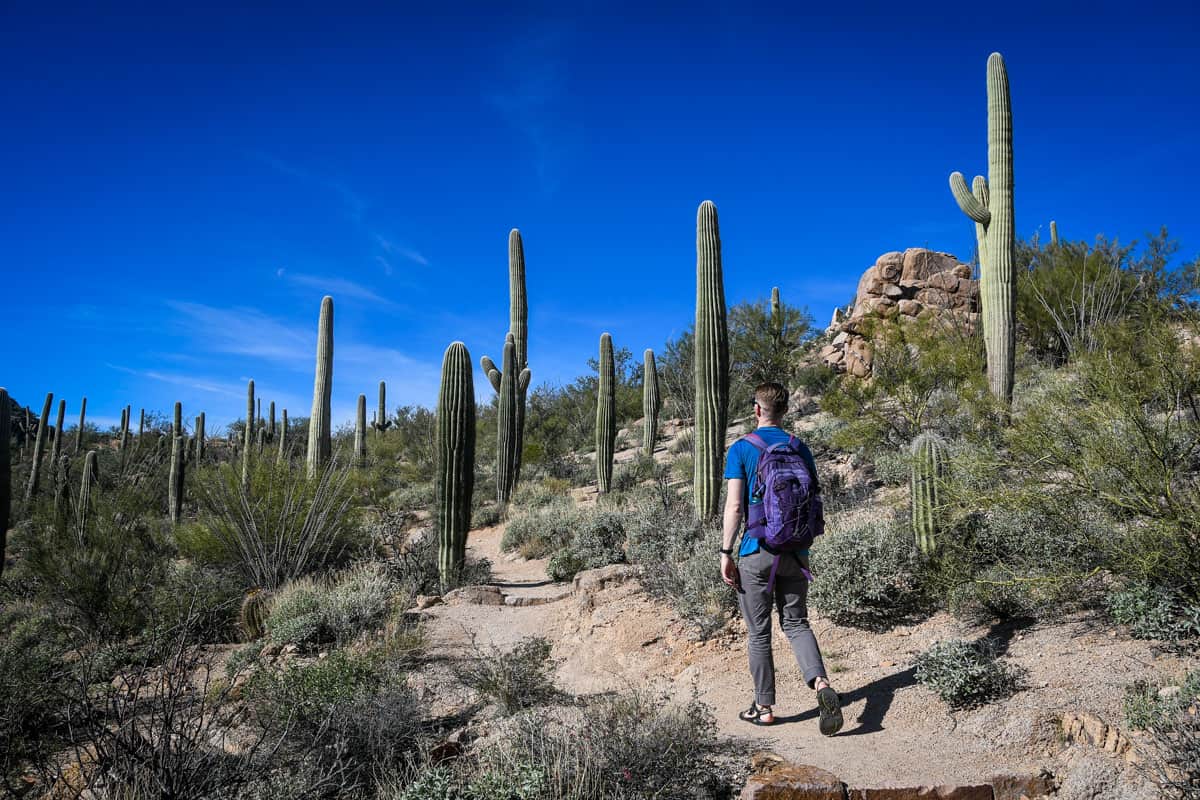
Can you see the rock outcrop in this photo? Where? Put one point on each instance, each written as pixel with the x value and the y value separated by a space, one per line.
pixel 915 284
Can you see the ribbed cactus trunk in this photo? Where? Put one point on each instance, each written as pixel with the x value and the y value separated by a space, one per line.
pixel 776 314
pixel 518 325
pixel 1053 233
pixel 125 412
pixel 39 444
pixel 86 488
pixel 990 204
pixel 62 474
pixel 175 468
pixel 57 449
pixel 283 435
pixel 248 434
pixel 141 424
pixel 381 423
pixel 606 415
pixel 271 423
pixel 360 433
pixel 79 430
pixel 651 403
pixel 711 364
pixel 927 467
pixel 200 438
pixel 455 460
pixel 320 422
pixel 505 382
pixel 5 472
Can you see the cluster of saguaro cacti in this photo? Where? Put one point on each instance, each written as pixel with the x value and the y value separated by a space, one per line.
pixel 606 415
pixel 360 433
pixel 927 466
pixel 39 443
pixel 5 472
pixel 175 473
pixel 252 619
pixel 510 387
pixel 455 460
pixel 711 363
pixel 989 202
pixel 381 422
pixel 320 423
pixel 651 402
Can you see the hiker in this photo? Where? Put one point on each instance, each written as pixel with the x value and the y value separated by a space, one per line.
pixel 767 575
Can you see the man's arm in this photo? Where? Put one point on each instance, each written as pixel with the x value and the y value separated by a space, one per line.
pixel 729 531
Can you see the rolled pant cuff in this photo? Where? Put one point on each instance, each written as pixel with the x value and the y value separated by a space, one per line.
pixel 764 699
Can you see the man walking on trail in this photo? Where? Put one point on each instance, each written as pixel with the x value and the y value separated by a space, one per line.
pixel 766 576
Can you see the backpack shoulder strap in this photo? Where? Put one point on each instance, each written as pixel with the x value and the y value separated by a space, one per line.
pixel 757 441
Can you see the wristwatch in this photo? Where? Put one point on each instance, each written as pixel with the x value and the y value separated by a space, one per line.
pixel 725 552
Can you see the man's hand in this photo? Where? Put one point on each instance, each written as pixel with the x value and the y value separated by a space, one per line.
pixel 729 571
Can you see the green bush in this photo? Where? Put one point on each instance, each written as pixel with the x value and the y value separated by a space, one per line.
pixel 33 678
pixel 1146 703
pixel 204 598
pixel 414 497
pixel 1169 716
pixel 598 540
pixel 1155 612
pixel 414 570
pixel 539 533
pixel 966 674
pixel 529 495
pixel 893 467
pixel 867 576
pixel 677 554
pixel 564 564
pixel 628 475
pixel 307 612
pixel 513 679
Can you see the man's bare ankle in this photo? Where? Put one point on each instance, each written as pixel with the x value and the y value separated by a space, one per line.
pixel 820 683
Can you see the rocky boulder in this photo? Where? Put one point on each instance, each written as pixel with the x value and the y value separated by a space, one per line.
pixel 915 284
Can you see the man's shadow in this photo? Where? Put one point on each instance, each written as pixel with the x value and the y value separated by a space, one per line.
pixel 880 694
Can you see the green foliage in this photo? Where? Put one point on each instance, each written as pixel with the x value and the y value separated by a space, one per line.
pixel 598 540
pixel 415 569
pixel 925 377
pixel 966 674
pixel 531 495
pixel 763 348
pixel 1146 704
pixel 868 575
pixel 1155 612
pixel 514 679
pixel 307 612
pixel 677 553
pixel 277 526
pixel 33 677
pixel 540 532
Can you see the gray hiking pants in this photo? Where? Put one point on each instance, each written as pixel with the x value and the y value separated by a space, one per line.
pixel 790 596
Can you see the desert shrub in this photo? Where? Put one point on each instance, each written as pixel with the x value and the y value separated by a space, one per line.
pixel 1148 703
pixel 539 533
pixel 966 674
pixel 413 497
pixel 1155 612
pixel 487 515
pixel 642 468
pixel 564 564
pixel 598 540
pixel 206 598
pixel 277 527
pixel 868 575
pixel 1169 715
pixel 684 443
pixel 414 570
pixel 893 467
pixel 677 555
pixel 307 611
pixel 32 680
pixel 530 495
pixel 514 679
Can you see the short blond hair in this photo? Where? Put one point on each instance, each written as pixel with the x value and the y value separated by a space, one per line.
pixel 772 398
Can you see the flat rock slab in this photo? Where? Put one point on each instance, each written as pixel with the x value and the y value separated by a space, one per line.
pixel 795 783
pixel 479 595
pixel 979 792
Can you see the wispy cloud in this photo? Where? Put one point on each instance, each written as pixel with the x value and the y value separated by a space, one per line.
pixel 392 248
pixel 188 381
pixel 246 332
pixel 353 203
pixel 339 288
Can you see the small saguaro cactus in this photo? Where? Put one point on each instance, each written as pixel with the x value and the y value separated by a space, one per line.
pixel 86 486
pixel 508 389
pixel 141 424
pixel 271 422
pixel 776 314
pixel 360 433
pixel 5 472
pixel 1053 233
pixel 200 438
pixel 381 422
pixel 651 402
pixel 283 435
pixel 455 460
pixel 62 474
pixel 319 424
pixel 248 434
pixel 175 479
pixel 79 430
pixel 125 417
pixel 39 444
pixel 711 364
pixel 990 204
pixel 57 449
pixel 606 415
pixel 927 467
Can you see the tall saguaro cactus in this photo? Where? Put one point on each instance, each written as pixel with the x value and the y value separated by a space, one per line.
pixel 651 402
pixel 86 485
pixel 79 430
pixel 508 386
pixel 381 418
pixel 175 479
pixel 283 435
pixel 518 330
pixel 711 363
pixel 39 444
pixel 1053 233
pixel 271 423
pixel 248 434
pixel 990 205
pixel 5 472
pixel 455 460
pixel 57 449
pixel 200 436
pixel 320 422
pixel 360 433
pixel 927 467
pixel 606 415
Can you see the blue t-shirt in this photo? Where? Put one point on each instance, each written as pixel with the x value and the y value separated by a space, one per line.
pixel 742 462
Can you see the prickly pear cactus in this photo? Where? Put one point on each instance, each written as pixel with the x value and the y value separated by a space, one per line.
pixel 320 423
pixel 711 364
pixel 455 460
pixel 651 403
pixel 990 204
pixel 927 467
pixel 606 415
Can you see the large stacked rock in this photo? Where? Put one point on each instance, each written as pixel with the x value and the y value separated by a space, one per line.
pixel 917 283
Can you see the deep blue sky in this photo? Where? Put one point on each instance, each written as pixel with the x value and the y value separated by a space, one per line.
pixel 179 189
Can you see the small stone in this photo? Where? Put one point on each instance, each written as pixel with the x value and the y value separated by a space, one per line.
pixel 1169 691
pixel 426 600
pixel 1011 786
pixel 887 663
pixel 791 780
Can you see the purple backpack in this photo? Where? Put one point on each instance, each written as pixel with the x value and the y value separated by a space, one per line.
pixel 791 513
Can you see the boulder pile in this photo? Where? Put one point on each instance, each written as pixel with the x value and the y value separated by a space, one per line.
pixel 915 284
